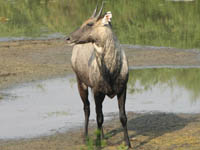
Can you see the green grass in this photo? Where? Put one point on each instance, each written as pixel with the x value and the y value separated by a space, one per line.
pixel 122 147
pixel 92 144
pixel 142 22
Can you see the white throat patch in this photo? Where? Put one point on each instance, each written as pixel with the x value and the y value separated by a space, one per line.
pixel 98 48
pixel 107 18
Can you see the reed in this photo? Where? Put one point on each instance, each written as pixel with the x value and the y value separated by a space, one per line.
pixel 141 22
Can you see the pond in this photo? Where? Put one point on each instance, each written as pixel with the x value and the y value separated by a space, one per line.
pixel 51 106
pixel 140 22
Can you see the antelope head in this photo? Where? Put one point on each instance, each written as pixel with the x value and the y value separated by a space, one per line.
pixel 93 29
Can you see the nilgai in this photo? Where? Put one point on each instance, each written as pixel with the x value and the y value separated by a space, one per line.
pixel 99 63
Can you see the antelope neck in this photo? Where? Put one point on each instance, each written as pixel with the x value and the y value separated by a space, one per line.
pixel 107 57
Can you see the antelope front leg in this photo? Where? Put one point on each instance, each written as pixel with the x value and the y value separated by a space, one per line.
pixel 83 91
pixel 122 114
pixel 99 97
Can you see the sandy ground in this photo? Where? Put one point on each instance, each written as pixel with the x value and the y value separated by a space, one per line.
pixel 25 61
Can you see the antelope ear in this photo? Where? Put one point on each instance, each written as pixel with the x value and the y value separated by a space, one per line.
pixel 107 18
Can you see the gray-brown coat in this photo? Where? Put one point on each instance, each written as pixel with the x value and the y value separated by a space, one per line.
pixel 100 63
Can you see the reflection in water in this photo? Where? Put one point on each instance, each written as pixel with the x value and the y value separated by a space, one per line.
pixel 50 106
pixel 141 22
pixel 187 79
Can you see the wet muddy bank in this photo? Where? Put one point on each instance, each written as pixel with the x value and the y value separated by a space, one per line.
pixel 147 131
pixel 25 61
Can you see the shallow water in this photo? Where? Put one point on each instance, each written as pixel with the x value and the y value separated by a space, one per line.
pixel 47 107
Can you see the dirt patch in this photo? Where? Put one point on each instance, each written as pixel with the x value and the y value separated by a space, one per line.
pixel 25 61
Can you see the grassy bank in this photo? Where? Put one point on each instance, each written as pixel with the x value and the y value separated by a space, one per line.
pixel 142 22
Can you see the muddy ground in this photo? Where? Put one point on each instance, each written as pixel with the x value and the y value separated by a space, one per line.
pixel 25 61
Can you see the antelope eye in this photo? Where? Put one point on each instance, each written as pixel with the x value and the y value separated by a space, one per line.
pixel 90 24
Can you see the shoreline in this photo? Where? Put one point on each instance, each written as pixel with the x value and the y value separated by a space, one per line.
pixel 146 131
pixel 30 60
